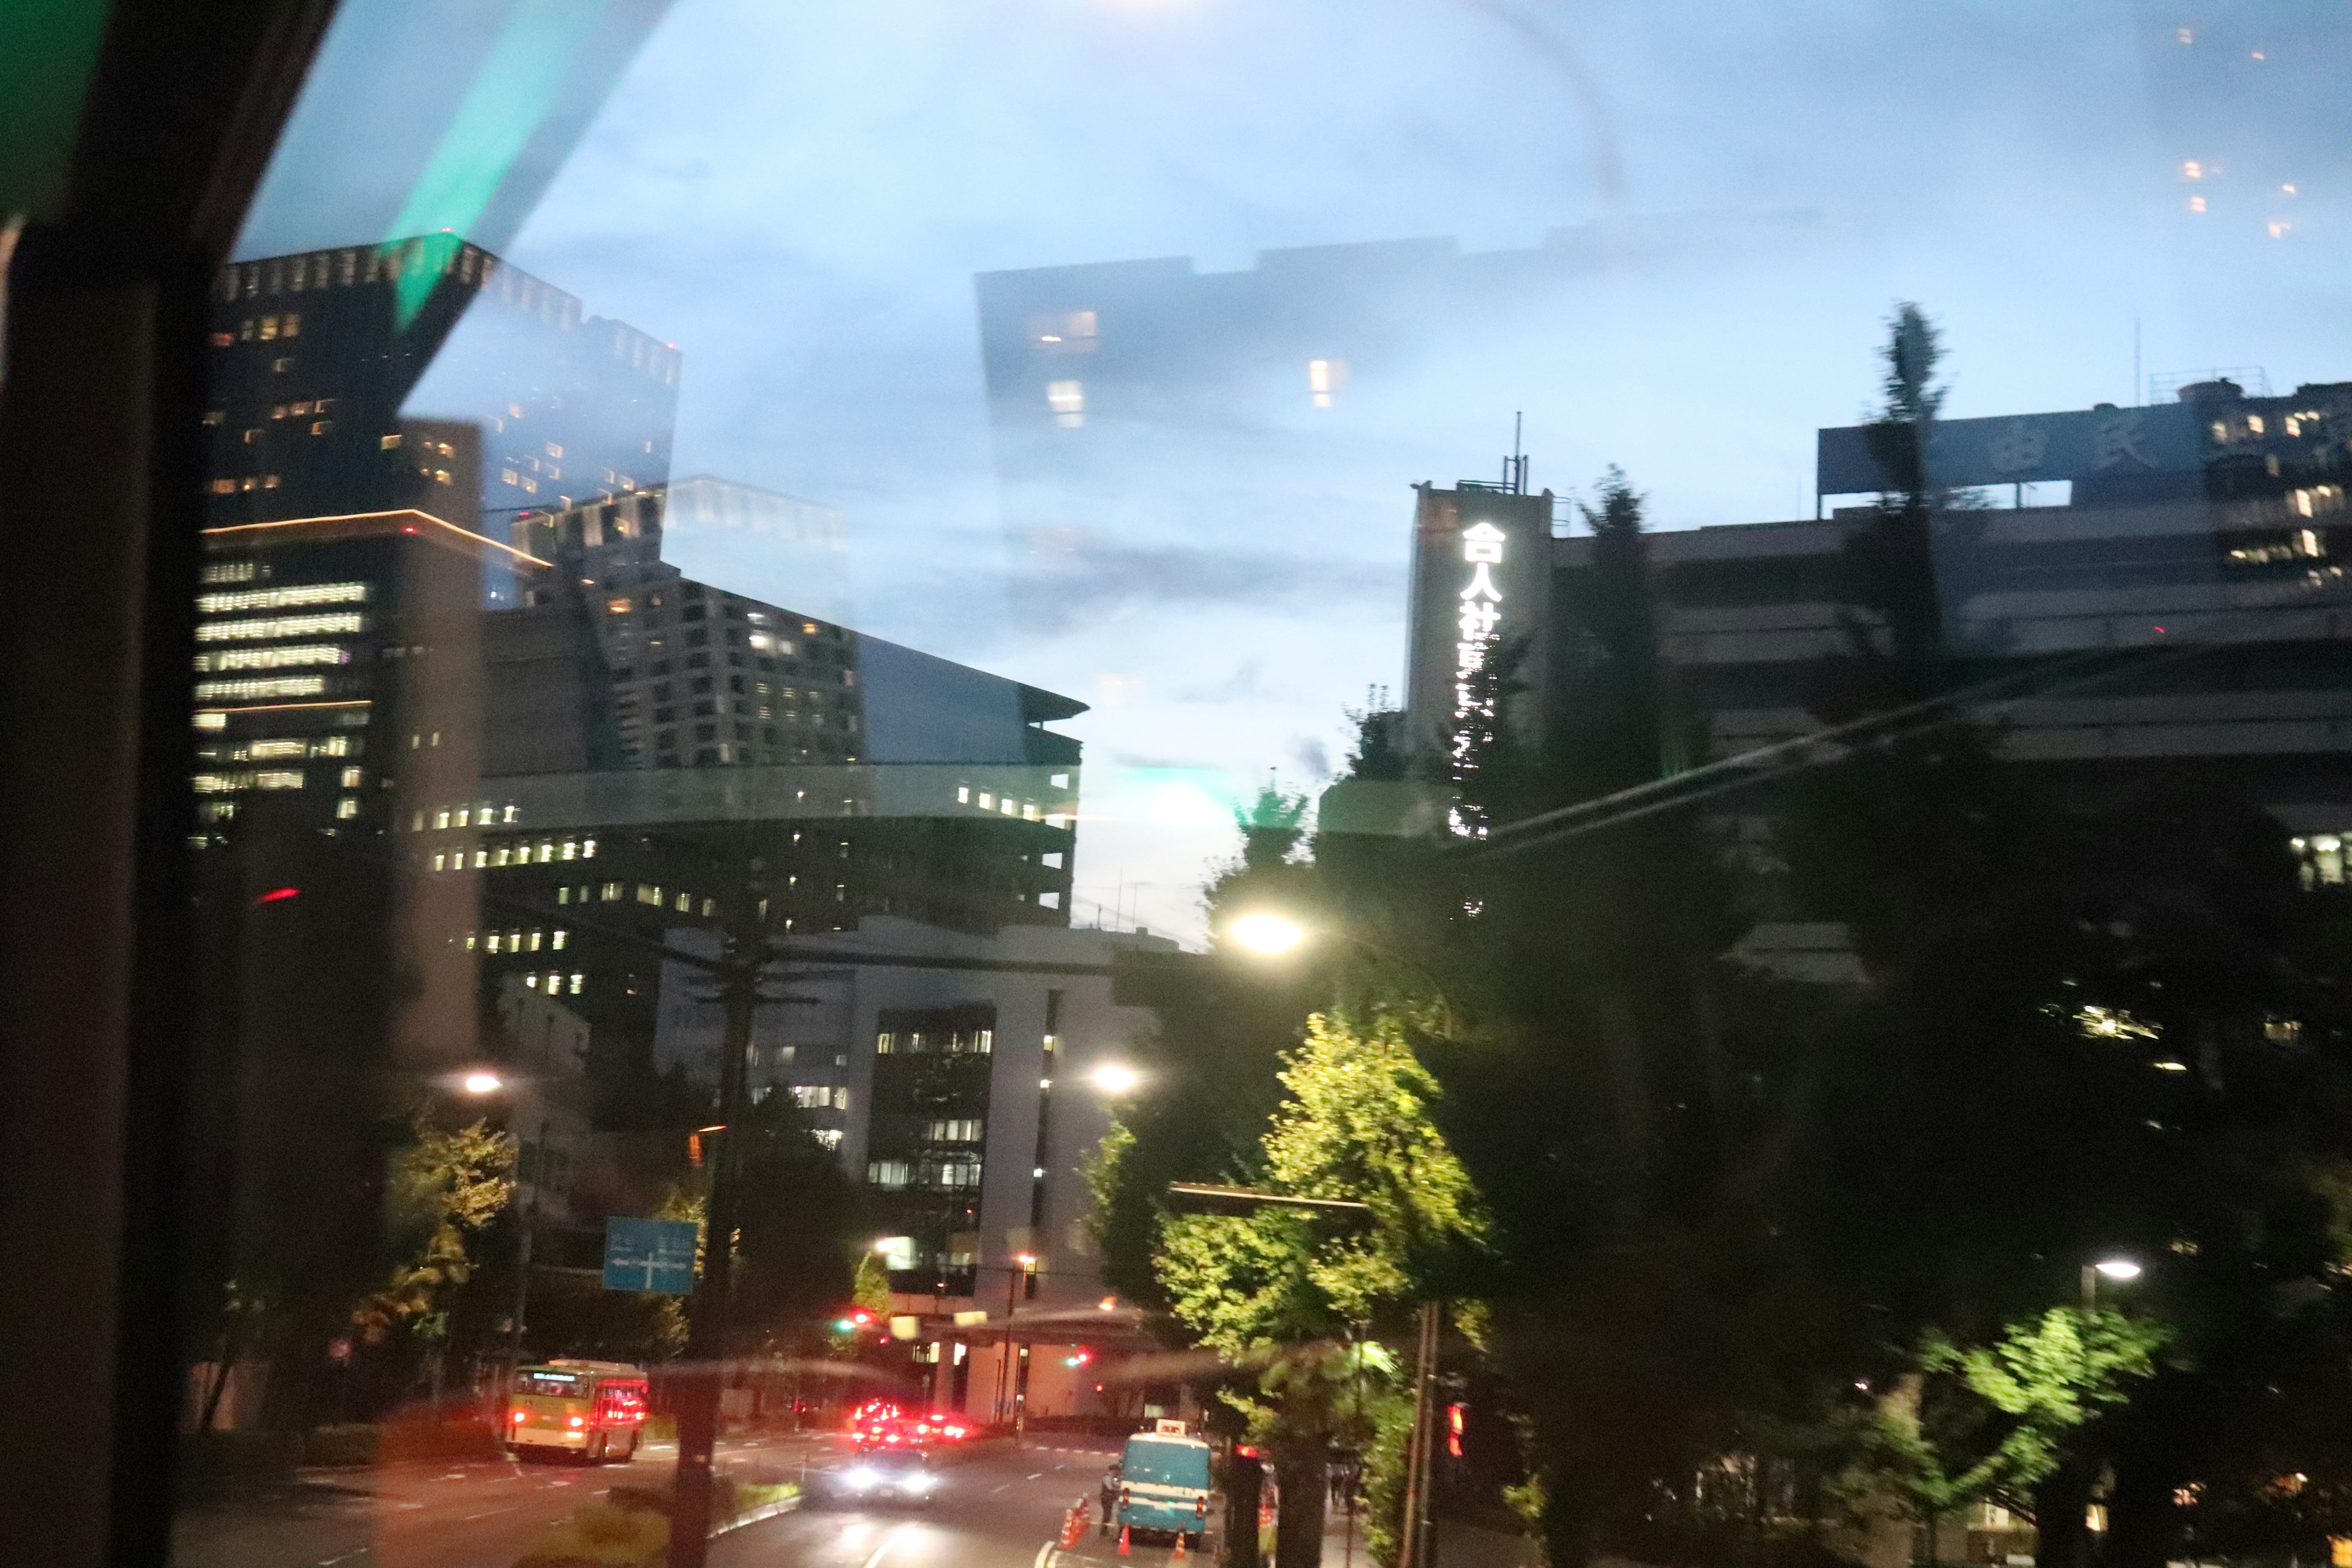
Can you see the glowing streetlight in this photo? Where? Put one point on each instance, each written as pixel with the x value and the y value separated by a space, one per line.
pixel 2122 1270
pixel 1113 1077
pixel 481 1083
pixel 1265 933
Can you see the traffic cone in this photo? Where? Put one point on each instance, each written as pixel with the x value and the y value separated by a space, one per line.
pixel 1126 1549
pixel 1178 1556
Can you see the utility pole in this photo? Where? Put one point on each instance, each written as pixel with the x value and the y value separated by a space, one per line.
pixel 522 1266
pixel 743 952
pixel 1419 1547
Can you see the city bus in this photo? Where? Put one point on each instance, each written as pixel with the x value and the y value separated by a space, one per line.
pixel 595 1409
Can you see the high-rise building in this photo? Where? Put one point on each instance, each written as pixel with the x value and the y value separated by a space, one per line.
pixel 319 358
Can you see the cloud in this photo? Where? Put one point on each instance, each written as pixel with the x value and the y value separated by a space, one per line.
pixel 1098 581
pixel 1246 681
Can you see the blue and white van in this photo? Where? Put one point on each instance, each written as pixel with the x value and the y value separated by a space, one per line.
pixel 1164 1483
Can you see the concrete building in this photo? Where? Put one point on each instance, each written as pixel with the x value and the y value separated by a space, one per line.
pixel 962 1098
pixel 2207 534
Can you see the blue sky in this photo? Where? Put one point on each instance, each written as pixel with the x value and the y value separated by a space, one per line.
pixel 800 195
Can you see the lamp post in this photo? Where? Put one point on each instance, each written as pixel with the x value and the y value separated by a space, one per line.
pixel 481 1084
pixel 2122 1270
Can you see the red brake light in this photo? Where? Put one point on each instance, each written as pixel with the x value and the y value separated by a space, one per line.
pixel 577 1421
pixel 278 895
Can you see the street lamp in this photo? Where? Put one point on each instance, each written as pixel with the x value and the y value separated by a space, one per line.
pixel 1115 1079
pixel 481 1083
pixel 1266 933
pixel 2122 1270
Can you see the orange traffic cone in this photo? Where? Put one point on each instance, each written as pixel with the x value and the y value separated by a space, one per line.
pixel 1125 1548
pixel 1178 1556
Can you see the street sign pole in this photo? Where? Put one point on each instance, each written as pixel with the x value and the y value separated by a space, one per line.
pixel 706 1343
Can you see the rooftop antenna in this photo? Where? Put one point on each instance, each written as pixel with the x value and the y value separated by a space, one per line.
pixel 1514 473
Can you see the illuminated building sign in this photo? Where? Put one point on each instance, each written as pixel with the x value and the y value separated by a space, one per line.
pixel 1481 613
pixel 1480 580
pixel 1482 550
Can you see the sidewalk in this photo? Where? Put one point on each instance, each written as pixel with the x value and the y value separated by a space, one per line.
pixel 1458 1546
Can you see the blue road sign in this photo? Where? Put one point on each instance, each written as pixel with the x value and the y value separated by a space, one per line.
pixel 650 1255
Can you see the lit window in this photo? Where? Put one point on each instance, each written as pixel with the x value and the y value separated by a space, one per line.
pixel 557 942
pixel 257 690
pixel 387 443
pixel 2197 204
pixel 440 819
pixel 437 862
pixel 278 626
pixel 577 980
pixel 619 607
pixel 290 657
pixel 2192 170
pixel 987 801
pixel 352 778
pixel 963 794
pixel 238 600
pixel 1068 400
pixel 587 849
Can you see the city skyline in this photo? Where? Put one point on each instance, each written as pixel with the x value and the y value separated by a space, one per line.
pixel 833 356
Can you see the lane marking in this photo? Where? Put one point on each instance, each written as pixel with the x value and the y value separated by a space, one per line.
pixel 887 1541
pixel 487 1512
pixel 1039 1475
pixel 1045 1556
pixel 993 1491
pixel 331 1562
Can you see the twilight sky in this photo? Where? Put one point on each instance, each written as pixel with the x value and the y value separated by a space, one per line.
pixel 799 195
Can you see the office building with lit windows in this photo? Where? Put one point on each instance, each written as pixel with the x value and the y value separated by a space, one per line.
pixel 319 358
pixel 964 1099
pixel 2208 532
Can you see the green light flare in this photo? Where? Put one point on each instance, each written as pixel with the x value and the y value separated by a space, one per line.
pixel 511 95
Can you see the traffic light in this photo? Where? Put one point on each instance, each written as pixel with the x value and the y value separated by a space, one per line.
pixel 855 1318
pixel 1454 1430
pixel 1079 1359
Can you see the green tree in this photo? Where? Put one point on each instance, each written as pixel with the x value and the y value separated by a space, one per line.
pixel 443 1188
pixel 1273 1297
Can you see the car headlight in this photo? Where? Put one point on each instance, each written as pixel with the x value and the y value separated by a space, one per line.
pixel 859 1478
pixel 917 1482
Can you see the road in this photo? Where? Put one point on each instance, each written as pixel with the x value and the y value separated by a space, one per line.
pixel 994 1510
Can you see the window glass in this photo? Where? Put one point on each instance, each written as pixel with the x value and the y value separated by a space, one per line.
pixel 1588 765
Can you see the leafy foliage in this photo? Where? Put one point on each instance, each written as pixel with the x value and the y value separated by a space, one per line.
pixel 444 1186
